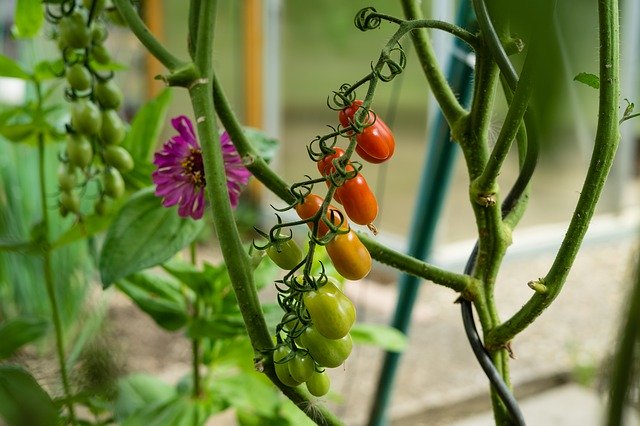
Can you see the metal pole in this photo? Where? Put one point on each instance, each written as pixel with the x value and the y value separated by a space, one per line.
pixel 433 187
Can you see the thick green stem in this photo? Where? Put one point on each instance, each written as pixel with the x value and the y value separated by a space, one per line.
pixel 50 282
pixel 606 143
pixel 137 26
pixel 451 108
pixel 461 283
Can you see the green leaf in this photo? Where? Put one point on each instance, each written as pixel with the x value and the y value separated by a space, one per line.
pixel 138 391
pixel 143 234
pixel 201 282
pixel 383 336
pixel 89 226
pixel 588 79
pixel 17 332
pixel 46 70
pixel 23 401
pixel 158 296
pixel 217 327
pixel 10 68
pixel 179 411
pixel 143 136
pixel 29 18
pixel 265 145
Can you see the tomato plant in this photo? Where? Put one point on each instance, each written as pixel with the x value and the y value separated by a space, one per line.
pixel 326 352
pixel 349 256
pixel 86 118
pixel 118 157
pixel 310 206
pixel 301 366
pixel 285 254
pixel 319 383
pixel 331 312
pixel 376 142
pixel 281 365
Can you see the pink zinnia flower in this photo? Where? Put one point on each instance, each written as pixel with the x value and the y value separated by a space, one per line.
pixel 180 178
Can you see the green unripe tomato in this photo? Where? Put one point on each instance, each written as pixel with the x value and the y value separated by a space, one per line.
pixel 326 352
pixel 282 368
pixel 100 54
pixel 112 131
pixel 78 77
pixel 319 383
pixel 331 312
pixel 101 206
pixel 108 94
pixel 286 255
pixel 66 178
pixel 113 183
pixel 98 33
pixel 70 201
pixel 301 366
pixel 118 157
pixel 73 31
pixel 79 150
pixel 86 117
pixel 64 212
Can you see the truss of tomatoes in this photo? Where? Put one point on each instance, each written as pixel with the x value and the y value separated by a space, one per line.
pixel 322 339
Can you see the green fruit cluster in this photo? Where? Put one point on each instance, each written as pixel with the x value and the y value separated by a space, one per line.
pixel 317 327
pixel 96 131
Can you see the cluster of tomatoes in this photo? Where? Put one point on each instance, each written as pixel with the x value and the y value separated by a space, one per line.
pixel 95 131
pixel 318 315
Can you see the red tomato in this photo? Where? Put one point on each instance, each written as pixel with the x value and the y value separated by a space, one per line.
pixel 325 165
pixel 349 256
pixel 312 203
pixel 376 142
pixel 358 200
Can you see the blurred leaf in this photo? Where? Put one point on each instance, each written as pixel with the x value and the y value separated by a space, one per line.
pixel 28 19
pixel 200 281
pixel 89 226
pixel 138 391
pixel 17 332
pixel 45 70
pixel 10 68
pixel 159 297
pixel 143 136
pixel 179 411
pixel 588 79
pixel 23 401
pixel 383 336
pixel 265 145
pixel 247 392
pixel 218 327
pixel 143 234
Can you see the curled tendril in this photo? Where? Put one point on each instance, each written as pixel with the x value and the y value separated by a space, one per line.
pixel 367 19
pixel 341 98
pixel 325 144
pixel 394 67
pixel 65 8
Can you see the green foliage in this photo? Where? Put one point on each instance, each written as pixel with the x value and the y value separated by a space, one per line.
pixel 23 401
pixel 591 80
pixel 383 336
pixel 17 332
pixel 29 18
pixel 143 234
pixel 158 296
pixel 22 290
pixel 143 136
pixel 10 68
